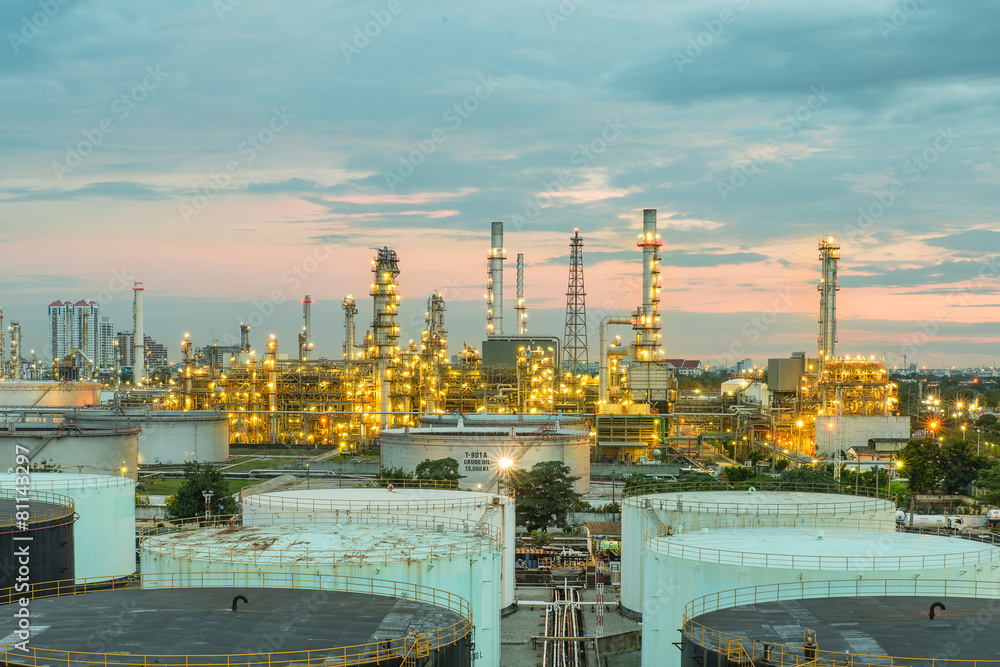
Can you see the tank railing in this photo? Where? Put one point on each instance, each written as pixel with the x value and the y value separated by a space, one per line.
pixel 157 540
pixel 310 483
pixel 652 541
pixel 760 509
pixel 109 476
pixel 58 507
pixel 760 486
pixel 360 654
pixel 780 654
pixel 332 506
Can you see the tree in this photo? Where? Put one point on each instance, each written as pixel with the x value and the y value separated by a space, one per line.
pixel 734 474
pixel 189 500
pixel 543 495
pixel 395 476
pixel 950 466
pixel 781 465
pixel 439 469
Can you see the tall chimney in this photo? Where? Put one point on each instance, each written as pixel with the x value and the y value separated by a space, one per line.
pixel 138 338
pixel 494 282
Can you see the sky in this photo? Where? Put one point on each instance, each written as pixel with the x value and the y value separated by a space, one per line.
pixel 235 156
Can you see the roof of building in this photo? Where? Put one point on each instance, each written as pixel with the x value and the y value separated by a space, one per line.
pixel 684 363
pixel 604 528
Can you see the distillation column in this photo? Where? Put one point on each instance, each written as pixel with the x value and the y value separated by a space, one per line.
pixel 829 254
pixel 138 339
pixel 386 302
pixel 647 316
pixel 244 337
pixel 271 361
pixel 350 310
pixel 522 315
pixel 434 349
pixel 305 340
pixel 188 369
pixel 3 347
pixel 494 282
pixel 15 350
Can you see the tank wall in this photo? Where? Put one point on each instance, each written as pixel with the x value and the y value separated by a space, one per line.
pixel 637 520
pixel 94 451
pixel 50 553
pixel 104 535
pixel 475 578
pixel 503 520
pixel 165 441
pixel 855 430
pixel 477 458
pixel 673 582
pixel 49 394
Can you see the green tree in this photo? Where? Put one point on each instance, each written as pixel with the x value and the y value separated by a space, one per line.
pixel 439 469
pixel 635 481
pixel 734 474
pixel 950 466
pixel 395 476
pixel 781 465
pixel 189 500
pixel 543 495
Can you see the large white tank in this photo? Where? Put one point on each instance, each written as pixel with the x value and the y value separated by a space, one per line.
pixel 640 513
pixel 169 436
pixel 48 394
pixel 479 450
pixel 71 444
pixel 329 500
pixel 104 535
pixel 448 554
pixel 701 558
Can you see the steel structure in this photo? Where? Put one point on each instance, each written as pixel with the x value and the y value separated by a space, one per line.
pixel 521 312
pixel 15 350
pixel 138 338
pixel 647 316
pixel 494 281
pixel 575 348
pixel 829 253
pixel 350 306
pixel 385 299
pixel 433 353
pixel 305 338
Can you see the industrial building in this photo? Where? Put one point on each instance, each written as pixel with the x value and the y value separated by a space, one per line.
pixel 644 512
pixel 46 534
pixel 459 556
pixel 686 561
pixel 265 617
pixel 863 622
pixel 104 533
pixel 339 500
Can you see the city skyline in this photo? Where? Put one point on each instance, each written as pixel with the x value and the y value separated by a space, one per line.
pixel 235 158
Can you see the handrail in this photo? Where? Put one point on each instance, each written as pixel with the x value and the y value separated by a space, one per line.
pixel 381 650
pixel 169 540
pixel 318 483
pixel 782 654
pixel 57 506
pixel 761 486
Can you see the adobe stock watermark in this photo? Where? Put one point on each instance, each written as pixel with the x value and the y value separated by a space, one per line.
pixel 784 130
pixel 565 9
pixel 248 149
pixel 914 168
pixel 754 328
pixel 32 24
pixel 582 157
pixel 122 107
pixel 714 28
pixel 454 117
pixel 223 7
pixel 364 34
pixel 898 17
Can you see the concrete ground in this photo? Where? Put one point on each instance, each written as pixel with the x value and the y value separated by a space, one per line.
pixel 518 628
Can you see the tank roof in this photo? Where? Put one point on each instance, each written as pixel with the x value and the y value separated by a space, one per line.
pixel 870 628
pixel 361 540
pixel 41 506
pixel 200 622
pixel 758 503
pixel 818 547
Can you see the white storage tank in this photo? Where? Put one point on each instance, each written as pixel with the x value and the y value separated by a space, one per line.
pixel 169 436
pixel 338 500
pixel 68 443
pixel 640 513
pixel 479 449
pixel 438 552
pixel 104 535
pixel 48 394
pixel 701 558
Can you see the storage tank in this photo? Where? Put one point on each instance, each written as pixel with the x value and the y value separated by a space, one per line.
pixel 644 511
pixel 687 561
pixel 479 450
pixel 104 534
pixel 244 620
pixel 860 622
pixel 68 443
pixel 339 500
pixel 168 436
pixel 47 394
pixel 439 552
pixel 36 537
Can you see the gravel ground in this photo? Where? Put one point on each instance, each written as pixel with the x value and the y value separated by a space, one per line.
pixel 517 629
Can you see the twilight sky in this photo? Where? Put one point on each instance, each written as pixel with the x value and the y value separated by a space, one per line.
pixel 236 155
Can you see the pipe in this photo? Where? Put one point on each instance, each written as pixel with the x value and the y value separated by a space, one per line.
pixel 494 282
pixel 522 315
pixel 603 343
pixel 936 605
pixel 138 339
pixel 240 597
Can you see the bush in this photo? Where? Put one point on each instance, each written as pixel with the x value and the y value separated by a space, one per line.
pixel 540 538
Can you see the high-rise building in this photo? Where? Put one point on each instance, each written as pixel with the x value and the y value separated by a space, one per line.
pixel 156 354
pixel 75 326
pixel 106 347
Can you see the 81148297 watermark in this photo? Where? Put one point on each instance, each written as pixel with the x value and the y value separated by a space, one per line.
pixel 22 546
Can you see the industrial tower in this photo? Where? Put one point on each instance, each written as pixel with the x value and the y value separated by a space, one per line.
pixel 350 307
pixel 519 310
pixel 829 253
pixel 433 352
pixel 305 337
pixel 575 339
pixel 647 316
pixel 385 299
pixel 494 282
pixel 138 339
